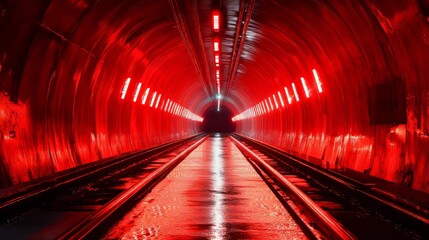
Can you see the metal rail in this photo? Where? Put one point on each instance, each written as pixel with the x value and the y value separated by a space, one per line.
pixel 27 196
pixel 94 226
pixel 328 224
pixel 410 217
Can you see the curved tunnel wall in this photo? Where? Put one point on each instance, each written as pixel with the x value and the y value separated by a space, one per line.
pixel 353 46
pixel 63 64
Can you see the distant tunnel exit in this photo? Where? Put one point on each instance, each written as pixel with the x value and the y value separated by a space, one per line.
pixel 218 121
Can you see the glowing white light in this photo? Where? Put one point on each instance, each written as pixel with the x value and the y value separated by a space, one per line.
pixel 281 99
pixel 304 85
pixel 216 22
pixel 153 99
pixel 271 103
pixel 157 101
pixel 268 107
pixel 216 46
pixel 136 93
pixel 295 92
pixel 125 88
pixel 275 101
pixel 318 82
pixel 170 107
pixel 144 98
pixel 174 109
pixel 166 105
pixel 289 97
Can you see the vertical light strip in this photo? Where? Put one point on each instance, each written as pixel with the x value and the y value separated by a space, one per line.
pixel 173 109
pixel 263 108
pixel 216 22
pixel 281 99
pixel 318 82
pixel 216 46
pixel 268 107
pixel 136 93
pixel 176 106
pixel 166 105
pixel 275 101
pixel 125 88
pixel 157 101
pixel 169 107
pixel 304 85
pixel 153 99
pixel 295 92
pixel 179 111
pixel 289 98
pixel 144 98
pixel 271 103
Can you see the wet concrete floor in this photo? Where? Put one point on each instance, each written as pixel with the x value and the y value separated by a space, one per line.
pixel 213 194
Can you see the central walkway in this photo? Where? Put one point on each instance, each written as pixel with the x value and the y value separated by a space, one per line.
pixel 213 194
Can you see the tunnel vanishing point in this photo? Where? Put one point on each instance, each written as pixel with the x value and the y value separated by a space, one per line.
pixel 341 84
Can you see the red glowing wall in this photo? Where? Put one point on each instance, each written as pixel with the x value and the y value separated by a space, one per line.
pixel 75 57
pixel 354 47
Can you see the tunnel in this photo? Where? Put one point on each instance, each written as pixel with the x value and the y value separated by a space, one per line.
pixel 304 76
pixel 218 120
pixel 339 84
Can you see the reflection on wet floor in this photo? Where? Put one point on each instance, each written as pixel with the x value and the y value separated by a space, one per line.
pixel 213 194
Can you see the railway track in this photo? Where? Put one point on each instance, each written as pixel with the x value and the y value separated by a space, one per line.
pixel 92 198
pixel 89 198
pixel 330 204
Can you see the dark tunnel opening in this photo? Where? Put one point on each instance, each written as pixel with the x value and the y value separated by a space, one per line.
pixel 218 121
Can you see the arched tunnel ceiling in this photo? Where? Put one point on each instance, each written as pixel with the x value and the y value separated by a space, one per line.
pixel 64 64
pixel 284 41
